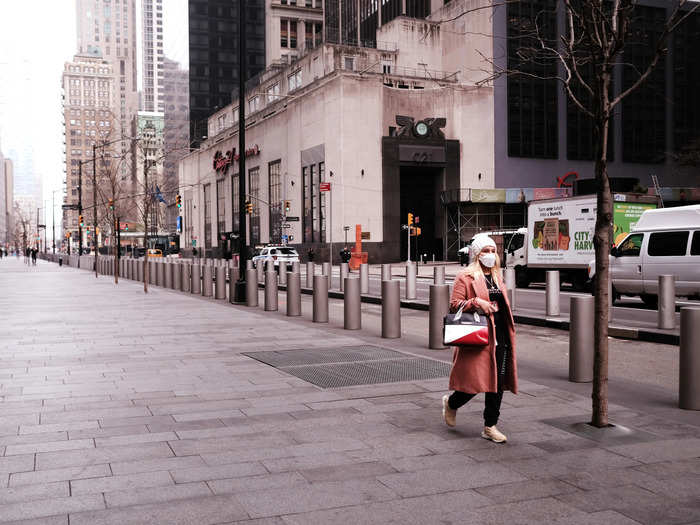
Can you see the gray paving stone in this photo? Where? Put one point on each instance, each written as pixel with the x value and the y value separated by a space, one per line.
pixel 123 482
pixel 154 465
pixel 159 494
pixel 11 464
pixel 48 446
pixel 34 492
pixel 51 520
pixel 53 460
pixel 256 483
pixel 566 463
pixel 202 511
pixel 49 507
pixel 656 451
pixel 233 470
pixel 128 439
pixel 347 472
pixel 62 474
pixel 525 490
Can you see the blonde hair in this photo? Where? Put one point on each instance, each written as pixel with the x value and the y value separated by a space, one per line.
pixel 474 268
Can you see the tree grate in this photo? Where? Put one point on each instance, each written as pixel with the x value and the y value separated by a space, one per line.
pixel 350 366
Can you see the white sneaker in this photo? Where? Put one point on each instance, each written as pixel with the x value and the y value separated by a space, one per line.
pixel 494 435
pixel 448 414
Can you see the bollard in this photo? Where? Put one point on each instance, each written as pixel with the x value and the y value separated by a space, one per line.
pixel 271 295
pixel 320 300
pixel 177 277
pixel 352 304
pixel 386 272
pixel 139 270
pixel 581 350
pixel 233 276
pixel 391 309
pixel 196 279
pixel 185 279
pixel 410 281
pixel 293 294
pixel 251 287
pixel 260 273
pixel 168 274
pixel 667 302
pixel 207 275
pixel 689 363
pixel 220 292
pixel 269 265
pixel 310 270
pixel 296 268
pixel 249 265
pixel 552 293
pixel 344 271
pixel 509 277
pixel 328 272
pixel 439 275
pixel 283 273
pixel 160 273
pixel 439 308
pixel 364 278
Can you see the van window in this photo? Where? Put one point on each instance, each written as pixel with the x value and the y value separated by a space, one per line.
pixel 516 242
pixel 631 246
pixel 663 244
pixel 695 247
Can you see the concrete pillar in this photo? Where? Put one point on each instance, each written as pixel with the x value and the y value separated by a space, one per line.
pixel 581 350
pixel 293 294
pixel 296 267
pixel 364 278
pixel 344 272
pixel 689 362
pixel 233 276
pixel 283 274
pixel 439 308
pixel 386 272
pixel 320 299
pixel 220 282
pixel 251 287
pixel 310 270
pixel 177 277
pixel 259 268
pixel 328 272
pixel 196 279
pixel 667 302
pixel 391 309
pixel 168 274
pixel 552 294
pixel 410 281
pixel 249 265
pixel 509 278
pixel 439 275
pixel 207 274
pixel 185 279
pixel 271 294
pixel 352 307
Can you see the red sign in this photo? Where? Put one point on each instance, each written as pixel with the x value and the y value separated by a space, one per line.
pixel 325 186
pixel 222 162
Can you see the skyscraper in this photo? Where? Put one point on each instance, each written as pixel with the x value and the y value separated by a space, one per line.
pixel 153 73
pixel 213 50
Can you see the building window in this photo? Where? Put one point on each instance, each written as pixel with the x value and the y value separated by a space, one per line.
pixel 220 206
pixel 207 215
pixel 284 33
pixel 532 96
pixel 293 34
pixel 236 203
pixel 686 79
pixel 294 80
pixel 349 63
pixel 323 196
pixel 315 202
pixel 306 200
pixel 275 198
pixel 273 93
pixel 254 175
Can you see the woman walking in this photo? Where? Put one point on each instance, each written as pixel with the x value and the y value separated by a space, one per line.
pixel 492 368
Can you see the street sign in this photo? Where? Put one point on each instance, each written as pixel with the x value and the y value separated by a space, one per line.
pixel 365 236
pixel 69 206
pixel 325 186
pixel 284 238
pixel 292 219
pixel 194 243
pixel 286 226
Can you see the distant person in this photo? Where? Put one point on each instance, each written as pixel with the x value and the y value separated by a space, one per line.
pixel 34 250
pixel 492 368
pixel 312 254
pixel 27 254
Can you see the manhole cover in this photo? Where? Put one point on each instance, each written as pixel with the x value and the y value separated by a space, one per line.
pixel 350 366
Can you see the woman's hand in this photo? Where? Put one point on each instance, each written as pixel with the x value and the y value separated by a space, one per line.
pixel 484 306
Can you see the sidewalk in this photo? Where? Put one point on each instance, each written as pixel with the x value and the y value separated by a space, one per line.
pixel 125 408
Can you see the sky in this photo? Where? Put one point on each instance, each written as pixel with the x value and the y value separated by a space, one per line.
pixel 36 38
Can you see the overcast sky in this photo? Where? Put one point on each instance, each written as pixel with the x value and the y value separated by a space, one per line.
pixel 36 38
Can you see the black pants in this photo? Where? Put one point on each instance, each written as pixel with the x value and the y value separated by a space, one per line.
pixel 493 400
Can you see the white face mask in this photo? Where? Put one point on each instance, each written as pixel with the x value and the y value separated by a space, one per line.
pixel 488 259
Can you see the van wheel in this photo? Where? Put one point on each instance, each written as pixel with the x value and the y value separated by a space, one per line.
pixel 649 300
pixel 521 278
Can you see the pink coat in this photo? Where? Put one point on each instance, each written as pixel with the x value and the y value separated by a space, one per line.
pixel 474 369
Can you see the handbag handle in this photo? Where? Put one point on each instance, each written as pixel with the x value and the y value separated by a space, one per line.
pixel 458 315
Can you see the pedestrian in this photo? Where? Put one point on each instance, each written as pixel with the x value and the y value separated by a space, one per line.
pixel 491 369
pixel 34 250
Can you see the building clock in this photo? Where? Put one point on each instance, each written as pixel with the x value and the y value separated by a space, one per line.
pixel 421 129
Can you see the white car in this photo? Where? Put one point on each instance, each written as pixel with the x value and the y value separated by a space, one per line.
pixel 277 254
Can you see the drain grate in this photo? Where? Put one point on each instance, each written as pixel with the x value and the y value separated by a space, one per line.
pixel 350 366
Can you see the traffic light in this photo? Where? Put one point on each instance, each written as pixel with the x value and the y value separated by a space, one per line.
pixel 287 206
pixel 410 218
pixel 178 201
pixel 249 207
pixel 80 221
pixel 111 204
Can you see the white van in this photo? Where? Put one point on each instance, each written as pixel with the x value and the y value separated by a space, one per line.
pixel 665 241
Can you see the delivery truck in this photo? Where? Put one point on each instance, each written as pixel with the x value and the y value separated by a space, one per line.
pixel 559 236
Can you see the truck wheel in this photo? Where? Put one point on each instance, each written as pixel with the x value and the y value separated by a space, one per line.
pixel 521 278
pixel 649 300
pixel 579 282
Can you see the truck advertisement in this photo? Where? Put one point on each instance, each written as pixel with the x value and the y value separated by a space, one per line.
pixel 625 217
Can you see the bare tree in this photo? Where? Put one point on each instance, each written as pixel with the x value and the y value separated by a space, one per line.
pixel 585 57
pixel 22 227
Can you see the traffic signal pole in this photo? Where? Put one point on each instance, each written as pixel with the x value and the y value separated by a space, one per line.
pixel 94 203
pixel 80 211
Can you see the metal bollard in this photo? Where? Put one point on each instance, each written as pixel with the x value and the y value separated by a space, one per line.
pixel 320 301
pixel 185 279
pixel 293 294
pixel 344 272
pixel 196 279
pixel 220 292
pixel 296 268
pixel 271 295
pixel 386 272
pixel 260 275
pixel 689 363
pixel 410 281
pixel 207 275
pixel 251 287
pixel 667 302
pixel 310 270
pixel 439 275
pixel 233 276
pixel 581 339
pixel 364 278
pixel 168 275
pixel 391 309
pixel 509 277
pixel 283 273
pixel 160 274
pixel 552 294
pixel 352 304
pixel 328 272
pixel 249 265
pixel 177 277
pixel 439 308
pixel 270 265
pixel 139 270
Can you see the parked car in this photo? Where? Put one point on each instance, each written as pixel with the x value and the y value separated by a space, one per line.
pixel 664 241
pixel 278 254
pixel 154 252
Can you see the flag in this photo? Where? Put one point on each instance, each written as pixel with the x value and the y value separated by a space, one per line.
pixel 159 195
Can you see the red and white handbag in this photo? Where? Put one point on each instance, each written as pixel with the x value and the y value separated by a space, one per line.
pixel 465 329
